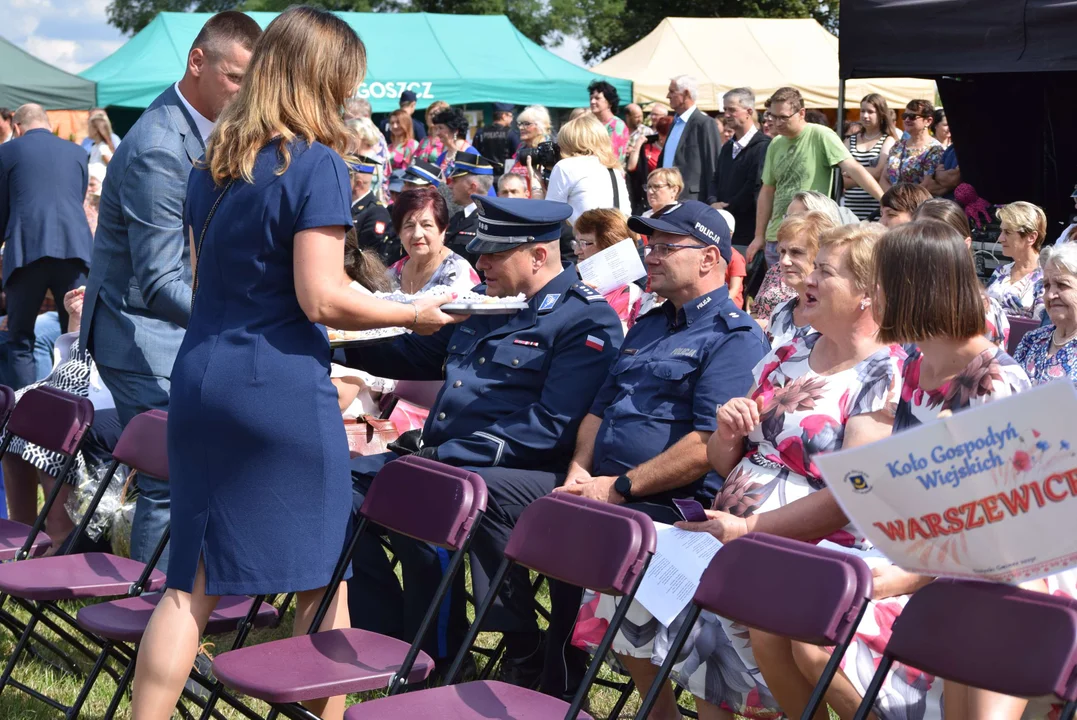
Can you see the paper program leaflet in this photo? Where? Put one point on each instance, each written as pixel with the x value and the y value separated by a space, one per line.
pixel 989 493
pixel 673 575
pixel 613 268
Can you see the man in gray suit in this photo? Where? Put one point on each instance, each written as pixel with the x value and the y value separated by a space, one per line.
pixel 693 143
pixel 138 297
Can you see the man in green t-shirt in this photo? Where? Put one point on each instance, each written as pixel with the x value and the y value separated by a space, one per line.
pixel 801 156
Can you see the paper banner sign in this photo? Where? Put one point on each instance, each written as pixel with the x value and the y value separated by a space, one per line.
pixel 988 493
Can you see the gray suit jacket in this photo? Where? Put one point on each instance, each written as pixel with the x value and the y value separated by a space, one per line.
pixel 138 296
pixel 696 157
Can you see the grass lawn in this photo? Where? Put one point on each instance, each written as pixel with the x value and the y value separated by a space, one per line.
pixel 15 705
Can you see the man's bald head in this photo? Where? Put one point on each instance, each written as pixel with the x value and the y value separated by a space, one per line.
pixel 31 117
pixel 633 116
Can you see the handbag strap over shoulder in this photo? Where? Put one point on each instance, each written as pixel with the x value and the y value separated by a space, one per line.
pixel 202 237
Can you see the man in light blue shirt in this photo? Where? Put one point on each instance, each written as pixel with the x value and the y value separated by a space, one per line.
pixel 693 143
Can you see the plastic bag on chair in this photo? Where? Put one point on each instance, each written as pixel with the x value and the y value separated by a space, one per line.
pixel 111 504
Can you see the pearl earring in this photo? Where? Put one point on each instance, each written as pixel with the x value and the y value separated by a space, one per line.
pixel 864 304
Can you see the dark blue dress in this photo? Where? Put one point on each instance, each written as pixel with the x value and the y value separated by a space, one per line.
pixel 258 457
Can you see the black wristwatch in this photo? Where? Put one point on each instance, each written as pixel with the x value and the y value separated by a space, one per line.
pixel 623 486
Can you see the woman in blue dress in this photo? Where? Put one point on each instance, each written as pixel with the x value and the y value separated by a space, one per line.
pixel 260 483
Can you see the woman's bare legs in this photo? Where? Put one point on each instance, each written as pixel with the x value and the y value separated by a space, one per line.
pixel 58 523
pixel 306 604
pixel 707 711
pixel 643 673
pixel 787 683
pixel 20 486
pixel 841 695
pixel 168 649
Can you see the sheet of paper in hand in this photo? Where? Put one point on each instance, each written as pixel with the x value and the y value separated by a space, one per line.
pixel 673 575
pixel 988 493
pixel 612 268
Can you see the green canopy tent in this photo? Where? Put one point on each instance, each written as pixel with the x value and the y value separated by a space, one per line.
pixel 25 79
pixel 456 58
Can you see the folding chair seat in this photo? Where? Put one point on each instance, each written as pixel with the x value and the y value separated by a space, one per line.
pixel 125 620
pixel 986 635
pixel 416 497
pixel 575 540
pixel 810 594
pixel 1019 327
pixel 53 420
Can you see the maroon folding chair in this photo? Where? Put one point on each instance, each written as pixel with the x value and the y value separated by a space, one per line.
pixel 579 541
pixel 986 635
pixel 118 625
pixel 1019 327
pixel 806 593
pixel 53 420
pixel 413 496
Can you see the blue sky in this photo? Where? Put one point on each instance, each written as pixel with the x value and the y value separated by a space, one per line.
pixel 74 34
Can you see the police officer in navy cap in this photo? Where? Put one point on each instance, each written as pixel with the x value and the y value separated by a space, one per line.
pixel 499 140
pixel 421 173
pixel 515 389
pixel 644 440
pixel 373 224
pixel 472 174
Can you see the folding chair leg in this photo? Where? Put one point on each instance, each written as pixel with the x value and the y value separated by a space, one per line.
pixel 1068 710
pixel 873 688
pixel 667 665
pixel 121 687
pixel 241 637
pixel 17 652
pixel 87 685
pixel 831 669
pixel 623 700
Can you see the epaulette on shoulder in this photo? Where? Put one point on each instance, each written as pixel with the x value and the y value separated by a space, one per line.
pixel 587 292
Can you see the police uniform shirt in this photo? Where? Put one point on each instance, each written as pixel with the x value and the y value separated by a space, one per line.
pixel 497 142
pixel 675 368
pixel 374 228
pixel 461 230
pixel 516 386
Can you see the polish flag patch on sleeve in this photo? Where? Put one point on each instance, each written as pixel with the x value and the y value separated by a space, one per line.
pixel 595 343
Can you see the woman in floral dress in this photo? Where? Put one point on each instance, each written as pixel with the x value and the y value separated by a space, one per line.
pixel 916 157
pixel 953 368
pixel 431 146
pixel 817 394
pixel 1018 285
pixel 1050 353
pixel 402 143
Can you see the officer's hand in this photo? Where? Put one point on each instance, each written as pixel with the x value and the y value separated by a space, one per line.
pixel 755 246
pixel 738 417
pixel 600 488
pixel 721 525
pixel 430 317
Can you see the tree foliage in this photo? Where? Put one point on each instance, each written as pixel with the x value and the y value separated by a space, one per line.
pixel 606 26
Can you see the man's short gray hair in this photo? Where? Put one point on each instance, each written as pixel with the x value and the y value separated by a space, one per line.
pixel 742 96
pixel 358 108
pixel 507 178
pixel 484 182
pixel 31 116
pixel 688 84
pixel 1062 257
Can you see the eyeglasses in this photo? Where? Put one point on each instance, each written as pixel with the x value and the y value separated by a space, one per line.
pixel 578 245
pixel 657 186
pixel 660 250
pixel 911 116
pixel 524 123
pixel 778 118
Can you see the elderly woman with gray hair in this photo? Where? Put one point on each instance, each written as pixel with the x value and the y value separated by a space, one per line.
pixel 1050 352
pixel 534 126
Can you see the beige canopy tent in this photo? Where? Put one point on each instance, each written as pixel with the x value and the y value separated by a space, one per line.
pixel 763 54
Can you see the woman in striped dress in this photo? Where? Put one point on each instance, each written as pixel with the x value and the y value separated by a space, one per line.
pixel 877 136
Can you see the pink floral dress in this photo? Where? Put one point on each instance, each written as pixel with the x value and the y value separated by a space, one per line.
pixel 619 137
pixel 781 328
pixel 401 153
pixel 804 414
pixel 772 292
pixel 428 150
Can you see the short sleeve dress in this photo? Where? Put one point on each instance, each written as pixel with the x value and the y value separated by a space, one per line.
pixel 804 414
pixel 260 483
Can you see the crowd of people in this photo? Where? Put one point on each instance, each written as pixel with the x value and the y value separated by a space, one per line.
pixel 243 214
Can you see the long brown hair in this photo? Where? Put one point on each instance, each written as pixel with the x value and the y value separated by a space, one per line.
pixel 882 111
pixel 406 128
pixel 304 67
pixel 102 128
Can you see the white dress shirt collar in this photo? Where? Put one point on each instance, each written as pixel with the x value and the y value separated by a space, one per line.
pixel 201 124
pixel 470 209
pixel 687 114
pixel 739 145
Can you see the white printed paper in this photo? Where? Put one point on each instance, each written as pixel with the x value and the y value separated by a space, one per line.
pixel 613 267
pixel 989 493
pixel 674 572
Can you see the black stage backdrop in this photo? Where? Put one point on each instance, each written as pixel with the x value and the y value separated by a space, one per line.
pixel 1007 75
